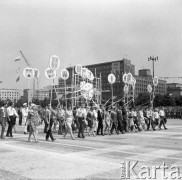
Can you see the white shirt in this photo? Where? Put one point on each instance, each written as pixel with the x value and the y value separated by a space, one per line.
pixel 156 115
pixel 81 112
pixel 161 112
pixel 24 112
pixel 11 111
pixel 141 114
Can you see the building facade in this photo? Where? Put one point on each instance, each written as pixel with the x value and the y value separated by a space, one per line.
pixel 174 89
pixel 144 79
pixel 102 70
pixel 119 68
pixel 10 94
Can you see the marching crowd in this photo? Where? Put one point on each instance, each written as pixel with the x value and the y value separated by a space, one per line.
pixel 92 120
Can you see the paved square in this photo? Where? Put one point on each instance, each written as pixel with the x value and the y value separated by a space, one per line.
pixel 91 158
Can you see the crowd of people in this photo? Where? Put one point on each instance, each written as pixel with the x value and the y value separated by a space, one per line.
pixel 92 120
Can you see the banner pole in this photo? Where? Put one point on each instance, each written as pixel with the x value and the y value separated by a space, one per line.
pixel 65 93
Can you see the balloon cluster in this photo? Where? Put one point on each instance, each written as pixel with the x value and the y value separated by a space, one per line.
pixel 54 64
pixel 128 79
pixel 86 88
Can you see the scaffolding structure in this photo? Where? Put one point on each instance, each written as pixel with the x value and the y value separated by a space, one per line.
pixel 72 91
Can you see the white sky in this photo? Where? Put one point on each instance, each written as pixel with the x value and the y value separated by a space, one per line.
pixel 89 31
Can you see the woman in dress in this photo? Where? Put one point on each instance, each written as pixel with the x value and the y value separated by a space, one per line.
pixel 34 119
pixel 69 121
pixel 107 118
pixel 90 119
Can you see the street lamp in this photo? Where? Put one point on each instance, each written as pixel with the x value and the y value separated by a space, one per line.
pixel 153 59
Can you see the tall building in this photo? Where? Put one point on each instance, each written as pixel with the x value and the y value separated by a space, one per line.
pixel 102 70
pixel 118 68
pixel 10 94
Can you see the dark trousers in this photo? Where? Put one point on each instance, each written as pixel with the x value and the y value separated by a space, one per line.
pixel 150 122
pixel 100 127
pixel 125 125
pixel 114 126
pixel 49 132
pixel 45 126
pixel 10 126
pixel 162 123
pixel 121 126
pixel 81 127
pixel 20 120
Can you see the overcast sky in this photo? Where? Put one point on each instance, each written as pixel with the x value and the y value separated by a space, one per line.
pixel 89 31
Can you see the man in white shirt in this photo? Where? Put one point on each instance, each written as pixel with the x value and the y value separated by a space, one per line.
pixel 81 115
pixel 24 116
pixel 150 115
pixel 12 114
pixel 162 116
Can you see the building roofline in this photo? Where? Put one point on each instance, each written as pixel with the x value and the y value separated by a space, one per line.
pixel 103 63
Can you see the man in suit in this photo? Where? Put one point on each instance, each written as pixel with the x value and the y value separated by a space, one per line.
pixel 49 121
pixel 120 120
pixel 100 120
pixel 3 117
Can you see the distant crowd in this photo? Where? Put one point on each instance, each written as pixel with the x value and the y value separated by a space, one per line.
pixel 79 121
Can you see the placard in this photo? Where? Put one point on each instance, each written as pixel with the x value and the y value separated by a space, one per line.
pixel 50 73
pixel 64 74
pixel 54 62
pixel 28 73
pixel 149 88
pixel 78 69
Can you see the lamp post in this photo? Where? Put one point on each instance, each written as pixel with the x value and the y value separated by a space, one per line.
pixel 153 59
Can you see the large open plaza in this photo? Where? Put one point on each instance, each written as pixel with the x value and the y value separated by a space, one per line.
pixel 92 158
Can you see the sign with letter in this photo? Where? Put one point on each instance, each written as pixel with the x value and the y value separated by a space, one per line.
pixel 64 74
pixel 155 81
pixel 28 73
pixel 149 88
pixel 50 73
pixel 78 69
pixel 54 62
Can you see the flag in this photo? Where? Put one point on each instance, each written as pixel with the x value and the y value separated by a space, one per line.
pixel 17 59
pixel 18 70
pixel 18 79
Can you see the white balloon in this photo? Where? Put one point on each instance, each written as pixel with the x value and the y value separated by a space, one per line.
pixel 111 78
